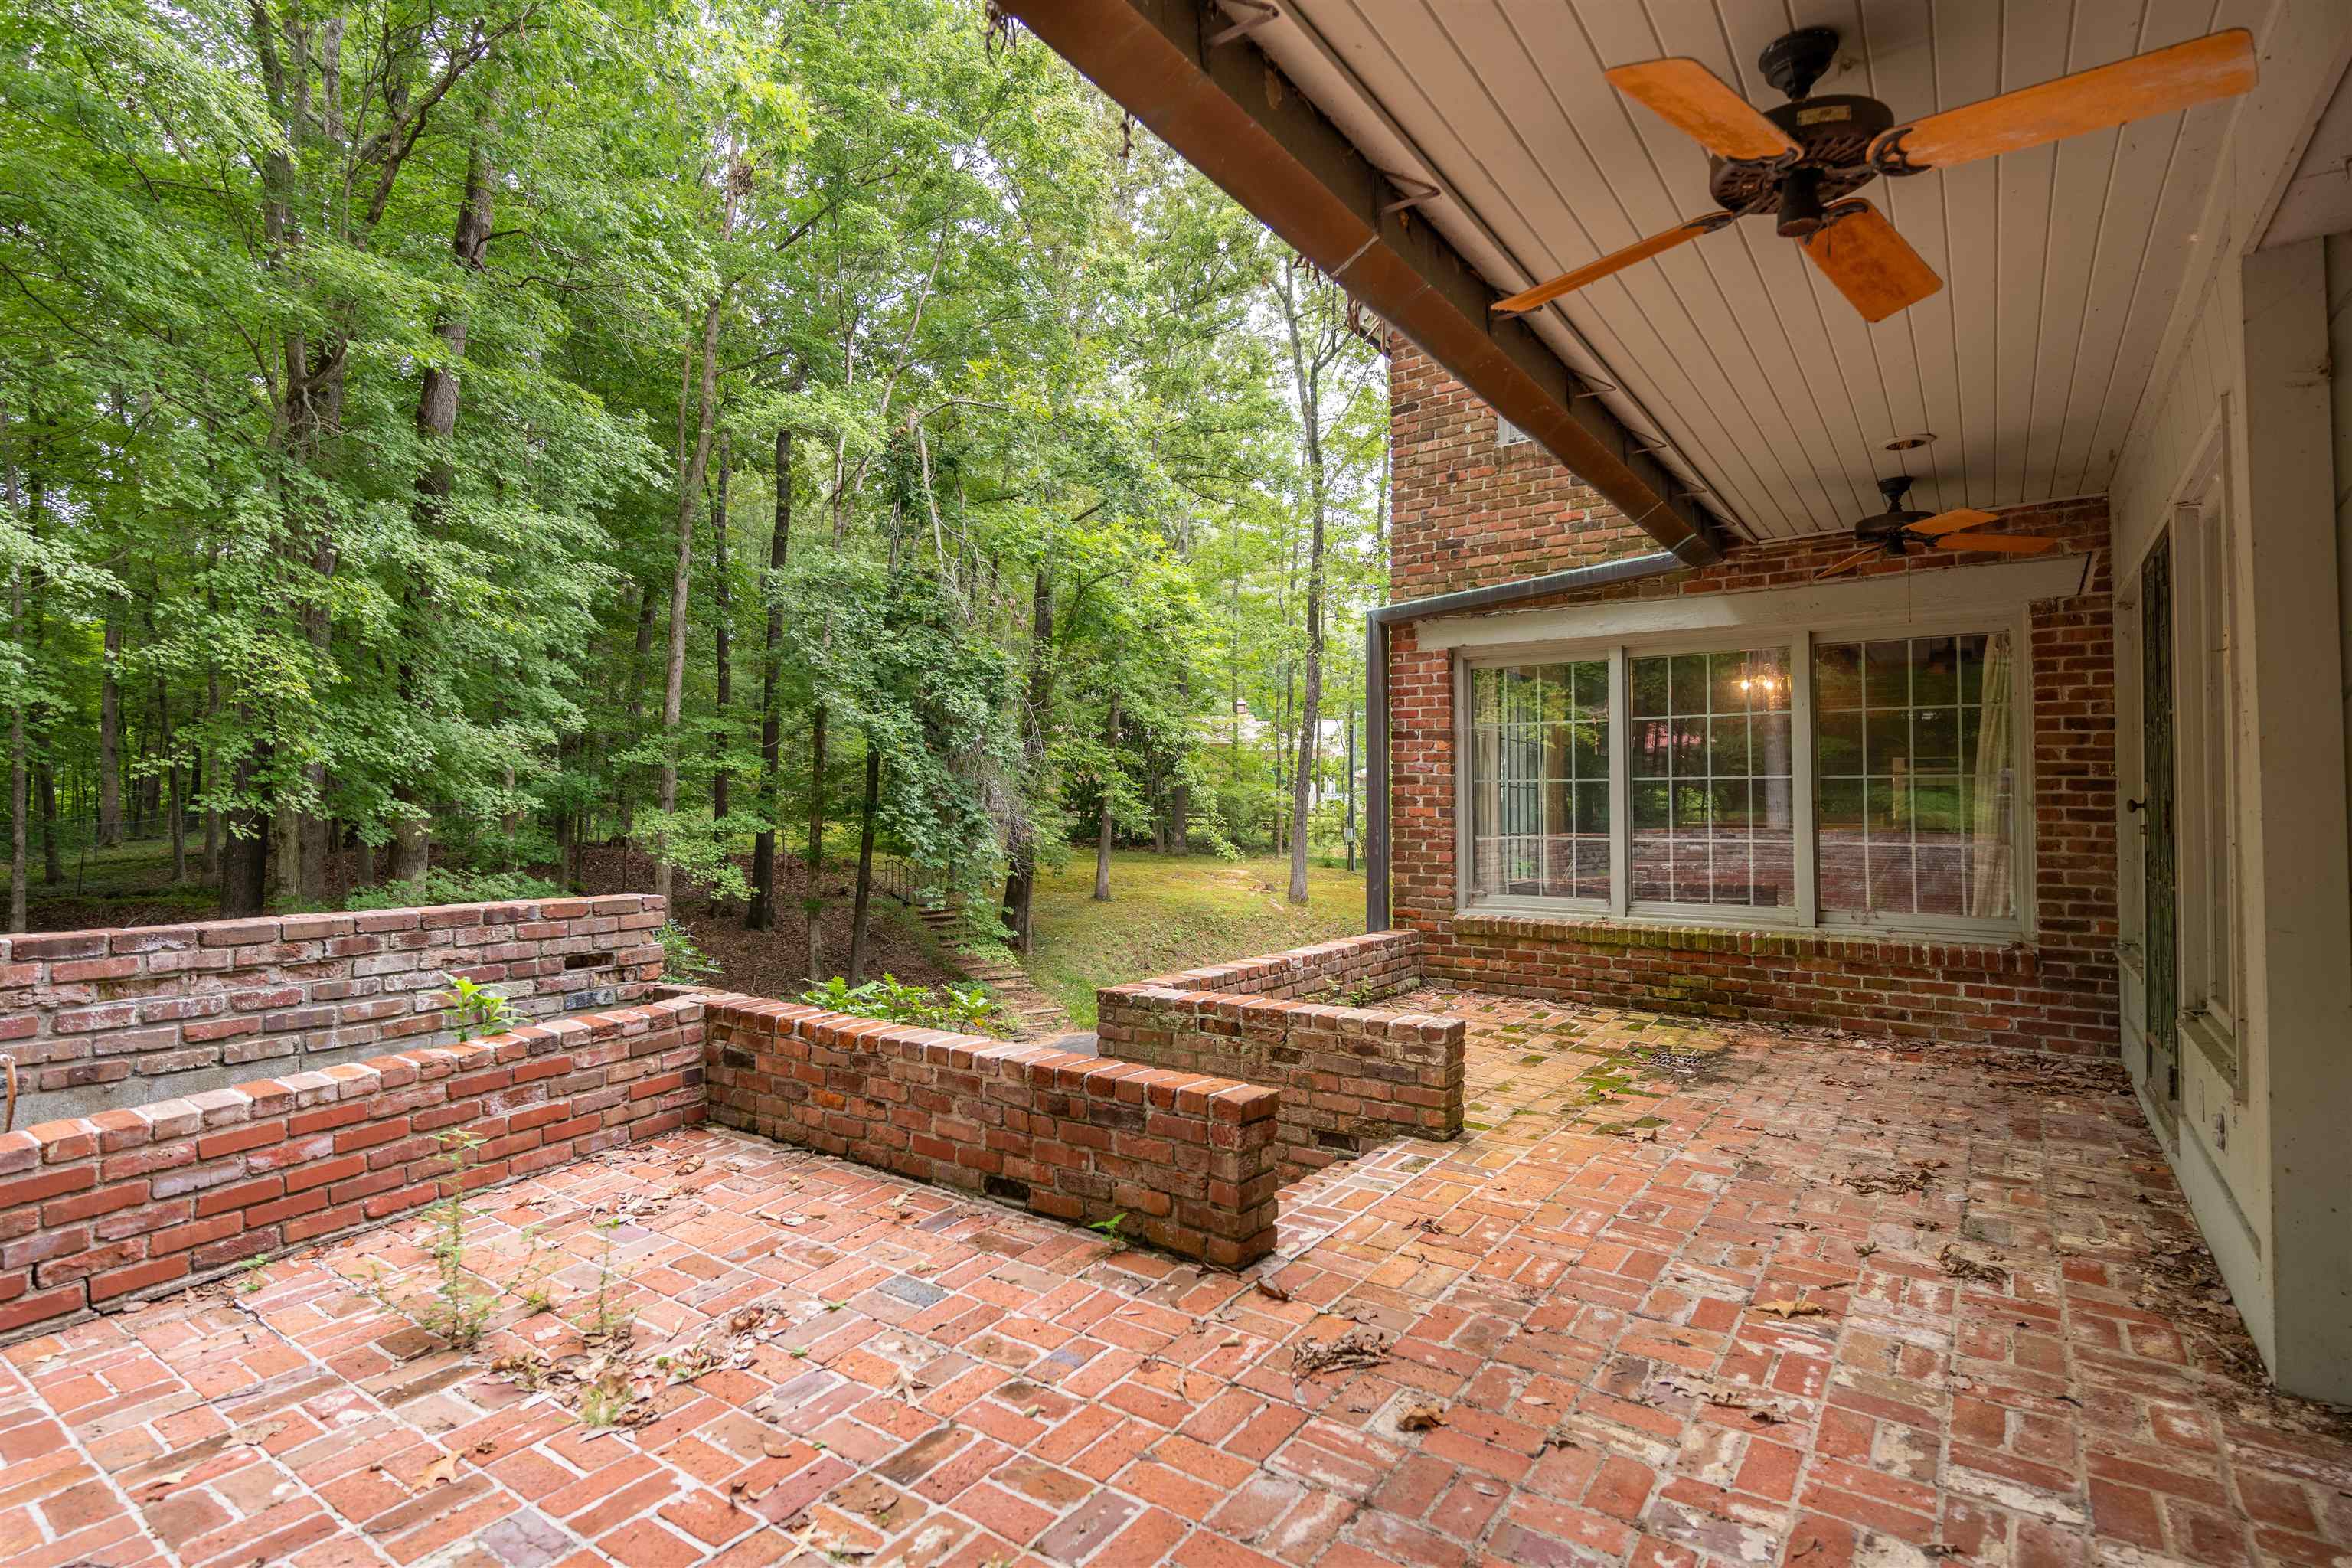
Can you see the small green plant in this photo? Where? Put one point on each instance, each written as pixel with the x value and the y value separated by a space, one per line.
pixel 606 1401
pixel 609 1316
pixel 1113 1230
pixel 683 961
pixel 459 1309
pixel 967 1009
pixel 478 1010
pixel 257 1275
pixel 529 1285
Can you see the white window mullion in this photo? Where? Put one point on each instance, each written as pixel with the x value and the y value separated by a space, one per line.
pixel 1805 848
pixel 1621 778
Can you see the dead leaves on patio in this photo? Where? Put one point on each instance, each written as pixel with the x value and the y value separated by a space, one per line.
pixel 1960 1266
pixel 1912 1178
pixel 1357 1347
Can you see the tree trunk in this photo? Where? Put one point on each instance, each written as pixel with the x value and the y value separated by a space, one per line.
pixel 636 703
pixel 172 779
pixel 1021 876
pixel 1306 376
pixel 411 848
pixel 691 466
pixel 1103 830
pixel 110 736
pixel 19 842
pixel 812 898
pixel 1348 833
pixel 722 636
pixel 865 862
pixel 245 856
pixel 53 863
pixel 290 837
pixel 761 913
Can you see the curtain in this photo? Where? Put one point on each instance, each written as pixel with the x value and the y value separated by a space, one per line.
pixel 1990 892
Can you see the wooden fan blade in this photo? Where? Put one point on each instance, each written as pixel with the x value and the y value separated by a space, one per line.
pixel 1874 267
pixel 1951 522
pixel 1702 106
pixel 1592 271
pixel 2217 64
pixel 2009 543
pixel 1849 563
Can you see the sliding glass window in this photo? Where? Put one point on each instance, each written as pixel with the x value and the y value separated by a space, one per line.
pixel 1805 781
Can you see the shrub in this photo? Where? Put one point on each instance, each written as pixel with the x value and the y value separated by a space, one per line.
pixel 683 961
pixel 443 887
pixel 967 1009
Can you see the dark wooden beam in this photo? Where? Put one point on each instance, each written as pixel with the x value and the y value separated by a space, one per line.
pixel 1229 111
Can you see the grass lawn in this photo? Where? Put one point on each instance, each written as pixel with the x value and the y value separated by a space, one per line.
pixel 1169 912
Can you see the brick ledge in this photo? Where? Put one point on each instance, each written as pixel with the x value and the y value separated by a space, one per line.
pixel 1926 952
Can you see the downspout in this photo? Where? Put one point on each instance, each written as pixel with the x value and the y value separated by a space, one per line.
pixel 1377 622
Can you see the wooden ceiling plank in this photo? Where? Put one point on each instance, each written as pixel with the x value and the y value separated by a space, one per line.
pixel 1659 379
pixel 1916 352
pixel 1690 325
pixel 2144 156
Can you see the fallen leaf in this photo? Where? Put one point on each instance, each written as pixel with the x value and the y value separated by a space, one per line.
pixel 1785 1310
pixel 1421 1417
pixel 1272 1291
pixel 440 1472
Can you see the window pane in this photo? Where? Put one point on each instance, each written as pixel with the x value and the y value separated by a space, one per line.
pixel 1538 779
pixel 1711 822
pixel 1916 791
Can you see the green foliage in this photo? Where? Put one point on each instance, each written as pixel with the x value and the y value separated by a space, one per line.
pixel 1113 1230
pixel 447 886
pixel 1009 347
pixel 963 1009
pixel 478 1010
pixel 683 961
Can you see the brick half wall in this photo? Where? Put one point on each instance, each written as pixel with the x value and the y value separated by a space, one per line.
pixel 1189 1158
pixel 157 1197
pixel 1352 1076
pixel 98 1020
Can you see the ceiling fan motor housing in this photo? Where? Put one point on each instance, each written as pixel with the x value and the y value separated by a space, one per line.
pixel 1832 136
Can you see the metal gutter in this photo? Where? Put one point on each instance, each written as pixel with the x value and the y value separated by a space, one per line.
pixel 1377 622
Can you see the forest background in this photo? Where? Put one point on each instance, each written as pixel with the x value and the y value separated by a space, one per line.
pixel 793 443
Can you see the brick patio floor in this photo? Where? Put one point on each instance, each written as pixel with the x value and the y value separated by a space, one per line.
pixel 1661 1314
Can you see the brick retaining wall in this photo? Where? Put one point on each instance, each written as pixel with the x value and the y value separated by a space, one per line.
pixel 99 1019
pixel 1189 1159
pixel 159 1196
pixel 1351 1077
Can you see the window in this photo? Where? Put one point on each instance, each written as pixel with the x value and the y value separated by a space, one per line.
pixel 1541 737
pixel 1796 779
pixel 1912 754
pixel 1710 772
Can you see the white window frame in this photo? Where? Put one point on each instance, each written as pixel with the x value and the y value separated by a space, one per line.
pixel 2207 709
pixel 1798 637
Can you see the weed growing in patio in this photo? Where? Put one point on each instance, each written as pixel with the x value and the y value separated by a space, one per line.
pixel 610 1318
pixel 458 1310
pixel 1113 1230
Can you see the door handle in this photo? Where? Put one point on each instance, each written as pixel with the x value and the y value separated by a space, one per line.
pixel 2134 805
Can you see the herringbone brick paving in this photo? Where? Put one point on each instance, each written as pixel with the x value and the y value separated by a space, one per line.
pixel 1681 1295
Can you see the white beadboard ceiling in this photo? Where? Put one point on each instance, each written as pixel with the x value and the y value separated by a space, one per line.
pixel 2061 264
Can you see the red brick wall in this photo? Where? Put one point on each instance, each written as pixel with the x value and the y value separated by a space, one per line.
pixel 1466 515
pixel 1467 512
pixel 1353 969
pixel 162 1195
pixel 1189 1160
pixel 1351 1077
pixel 105 1018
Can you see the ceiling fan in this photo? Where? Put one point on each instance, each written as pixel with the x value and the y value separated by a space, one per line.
pixel 1802 162
pixel 1896 532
